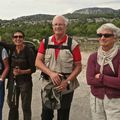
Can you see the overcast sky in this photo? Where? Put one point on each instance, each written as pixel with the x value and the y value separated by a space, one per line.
pixel 11 9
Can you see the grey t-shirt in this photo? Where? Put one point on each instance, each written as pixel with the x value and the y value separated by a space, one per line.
pixel 4 55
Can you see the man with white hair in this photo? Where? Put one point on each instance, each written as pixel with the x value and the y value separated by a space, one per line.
pixel 60 63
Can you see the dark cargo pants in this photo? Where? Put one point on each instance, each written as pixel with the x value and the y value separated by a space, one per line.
pixel 13 101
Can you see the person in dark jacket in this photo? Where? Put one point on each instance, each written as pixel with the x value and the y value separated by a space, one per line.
pixel 103 75
pixel 22 65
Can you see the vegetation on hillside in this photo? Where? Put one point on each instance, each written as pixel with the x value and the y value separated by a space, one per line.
pixel 37 27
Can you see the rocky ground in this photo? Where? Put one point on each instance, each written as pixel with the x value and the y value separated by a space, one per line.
pixel 80 109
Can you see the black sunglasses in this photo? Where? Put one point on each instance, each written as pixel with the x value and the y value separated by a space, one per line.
pixel 18 36
pixel 105 35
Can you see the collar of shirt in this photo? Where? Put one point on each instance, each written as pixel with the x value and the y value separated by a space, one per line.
pixel 61 42
pixel 58 43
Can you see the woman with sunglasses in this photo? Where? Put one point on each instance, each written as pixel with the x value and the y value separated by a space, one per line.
pixel 22 65
pixel 103 75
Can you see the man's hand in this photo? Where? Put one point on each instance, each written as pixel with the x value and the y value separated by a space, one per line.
pixel 62 86
pixel 55 77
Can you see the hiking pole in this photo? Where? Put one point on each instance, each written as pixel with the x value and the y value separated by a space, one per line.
pixel 14 88
pixel 14 91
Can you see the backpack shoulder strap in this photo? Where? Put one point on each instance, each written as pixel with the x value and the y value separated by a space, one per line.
pixel 69 43
pixel 26 49
pixel 1 61
pixel 1 48
pixel 46 43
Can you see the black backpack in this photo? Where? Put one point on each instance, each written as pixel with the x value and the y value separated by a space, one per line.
pixel 32 46
pixel 10 48
pixel 27 43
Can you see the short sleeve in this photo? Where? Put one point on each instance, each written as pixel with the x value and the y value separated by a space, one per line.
pixel 76 54
pixel 41 48
pixel 4 54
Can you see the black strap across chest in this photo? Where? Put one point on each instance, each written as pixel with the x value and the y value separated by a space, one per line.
pixel 68 46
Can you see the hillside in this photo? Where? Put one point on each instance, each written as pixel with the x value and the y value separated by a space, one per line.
pixel 96 11
pixel 82 22
pixel 78 14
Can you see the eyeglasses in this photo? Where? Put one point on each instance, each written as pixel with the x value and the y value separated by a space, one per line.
pixel 105 35
pixel 18 36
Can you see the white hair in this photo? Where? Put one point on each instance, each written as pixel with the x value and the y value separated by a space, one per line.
pixel 111 27
pixel 63 17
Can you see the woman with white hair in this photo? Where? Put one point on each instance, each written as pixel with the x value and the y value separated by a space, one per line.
pixel 103 75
